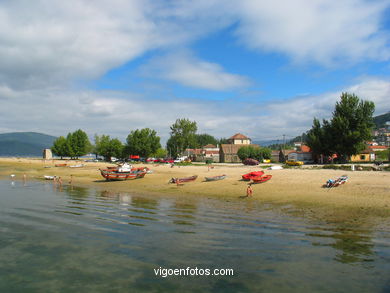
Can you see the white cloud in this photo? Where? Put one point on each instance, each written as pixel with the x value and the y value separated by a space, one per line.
pixel 57 112
pixel 186 69
pixel 43 43
pixel 323 31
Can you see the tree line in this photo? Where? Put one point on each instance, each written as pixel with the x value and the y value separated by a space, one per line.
pixel 142 142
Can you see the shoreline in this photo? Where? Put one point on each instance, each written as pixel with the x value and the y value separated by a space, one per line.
pixel 366 192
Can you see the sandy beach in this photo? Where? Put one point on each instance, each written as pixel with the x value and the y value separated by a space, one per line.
pixel 366 192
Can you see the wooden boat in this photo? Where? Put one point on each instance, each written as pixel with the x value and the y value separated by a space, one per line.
pixel 251 175
pixel 61 165
pixel 215 178
pixel 261 179
pixel 115 175
pixel 182 180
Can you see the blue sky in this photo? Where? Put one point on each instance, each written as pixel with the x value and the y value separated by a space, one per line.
pixel 264 69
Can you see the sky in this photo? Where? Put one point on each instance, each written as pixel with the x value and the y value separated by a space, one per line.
pixel 261 68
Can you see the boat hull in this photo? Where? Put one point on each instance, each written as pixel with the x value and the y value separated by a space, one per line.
pixel 261 179
pixel 215 178
pixel 111 175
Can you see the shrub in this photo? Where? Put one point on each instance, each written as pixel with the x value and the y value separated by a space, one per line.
pixel 209 161
pixel 251 162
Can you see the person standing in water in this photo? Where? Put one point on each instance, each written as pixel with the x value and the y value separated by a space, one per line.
pixel 249 190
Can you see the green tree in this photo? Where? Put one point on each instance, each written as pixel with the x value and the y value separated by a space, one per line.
pixel 142 142
pixel 205 139
pixel 254 152
pixel 160 153
pixel 107 147
pixel 319 138
pixel 352 125
pixel 78 144
pixel 182 136
pixel 348 130
pixel 59 147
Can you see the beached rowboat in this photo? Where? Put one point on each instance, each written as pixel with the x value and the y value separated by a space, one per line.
pixel 60 165
pixel 261 179
pixel 182 180
pixel 115 175
pixel 251 175
pixel 215 178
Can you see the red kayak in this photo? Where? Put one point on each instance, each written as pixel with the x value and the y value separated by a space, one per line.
pixel 251 175
pixel 261 179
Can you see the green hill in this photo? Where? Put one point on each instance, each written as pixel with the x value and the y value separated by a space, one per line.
pixel 24 143
pixel 381 120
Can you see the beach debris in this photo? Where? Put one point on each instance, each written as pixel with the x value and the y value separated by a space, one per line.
pixel 335 182
pixel 275 168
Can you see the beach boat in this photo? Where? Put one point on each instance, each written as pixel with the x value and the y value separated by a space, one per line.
pixel 115 175
pixel 60 165
pixel 182 180
pixel 215 178
pixel 336 182
pixel 47 177
pixel 251 175
pixel 77 166
pixel 261 179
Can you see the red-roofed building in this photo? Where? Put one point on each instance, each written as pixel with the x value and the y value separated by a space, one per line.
pixel 239 138
pixel 376 148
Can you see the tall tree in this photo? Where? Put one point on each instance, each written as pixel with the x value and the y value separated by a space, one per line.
pixel 142 142
pixel 351 125
pixel 78 143
pixel 59 147
pixel 182 136
pixel 345 134
pixel 205 139
pixel 107 147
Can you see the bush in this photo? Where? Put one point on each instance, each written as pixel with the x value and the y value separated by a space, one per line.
pixel 209 161
pixel 184 163
pixel 251 162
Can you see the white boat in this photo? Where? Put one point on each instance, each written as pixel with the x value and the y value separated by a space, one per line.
pixel 77 166
pixel 47 177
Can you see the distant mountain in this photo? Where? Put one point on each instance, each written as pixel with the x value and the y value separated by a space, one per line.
pixel 266 142
pixel 380 121
pixel 24 143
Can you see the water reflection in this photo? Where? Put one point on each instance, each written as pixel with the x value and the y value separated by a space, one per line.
pixel 352 245
pixel 119 238
pixel 183 213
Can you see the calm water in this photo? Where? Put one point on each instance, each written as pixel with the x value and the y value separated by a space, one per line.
pixel 84 240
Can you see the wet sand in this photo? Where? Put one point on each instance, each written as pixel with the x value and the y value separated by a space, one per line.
pixel 366 192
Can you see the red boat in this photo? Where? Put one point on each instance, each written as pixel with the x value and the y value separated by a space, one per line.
pixel 115 175
pixel 182 180
pixel 261 179
pixel 251 175
pixel 61 165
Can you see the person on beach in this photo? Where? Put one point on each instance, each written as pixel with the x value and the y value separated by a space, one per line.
pixel 249 190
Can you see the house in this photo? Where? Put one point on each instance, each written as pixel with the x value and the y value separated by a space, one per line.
pixel 306 157
pixel 364 156
pixel 280 156
pixel 228 152
pixel 377 148
pixel 239 138
pixel 209 151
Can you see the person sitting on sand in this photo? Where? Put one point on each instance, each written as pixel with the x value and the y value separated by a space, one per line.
pixel 249 190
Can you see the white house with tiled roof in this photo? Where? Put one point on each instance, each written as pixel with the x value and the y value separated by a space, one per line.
pixel 228 152
pixel 239 138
